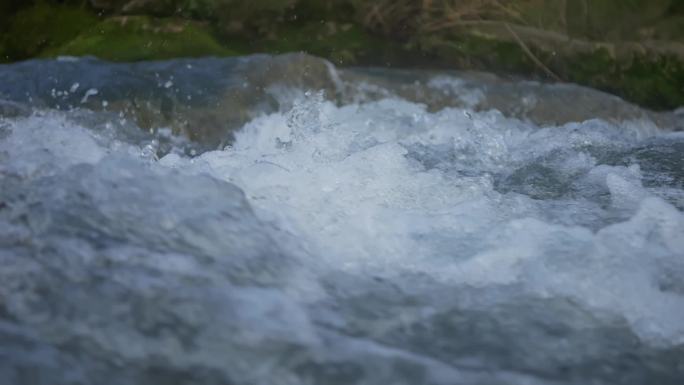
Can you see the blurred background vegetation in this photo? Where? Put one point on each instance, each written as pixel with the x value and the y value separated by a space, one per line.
pixel 633 48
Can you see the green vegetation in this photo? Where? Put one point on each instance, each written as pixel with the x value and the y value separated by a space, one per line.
pixel 43 26
pixel 651 82
pixel 634 48
pixel 133 38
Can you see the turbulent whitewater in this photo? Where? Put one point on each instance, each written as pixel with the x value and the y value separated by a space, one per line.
pixel 243 221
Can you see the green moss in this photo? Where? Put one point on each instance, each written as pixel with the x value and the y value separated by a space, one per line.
pixel 134 38
pixel 43 26
pixel 652 81
pixel 658 83
pixel 655 82
pixel 468 51
pixel 595 67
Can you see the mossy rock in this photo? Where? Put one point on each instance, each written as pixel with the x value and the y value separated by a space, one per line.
pixel 41 27
pixel 655 81
pixel 134 38
pixel 652 76
pixel 472 51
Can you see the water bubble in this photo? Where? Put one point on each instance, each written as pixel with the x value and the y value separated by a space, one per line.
pixel 88 94
pixel 150 149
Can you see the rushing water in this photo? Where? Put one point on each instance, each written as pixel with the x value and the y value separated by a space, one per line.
pixel 276 221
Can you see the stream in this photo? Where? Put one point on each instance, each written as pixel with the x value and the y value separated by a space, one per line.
pixel 276 220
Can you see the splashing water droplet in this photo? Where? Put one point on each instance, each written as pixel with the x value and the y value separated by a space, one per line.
pixel 149 150
pixel 304 120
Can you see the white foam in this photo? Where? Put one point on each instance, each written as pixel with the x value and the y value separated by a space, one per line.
pixel 388 188
pixel 45 141
pixel 345 180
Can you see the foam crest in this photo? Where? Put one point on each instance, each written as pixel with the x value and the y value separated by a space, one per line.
pixel 470 198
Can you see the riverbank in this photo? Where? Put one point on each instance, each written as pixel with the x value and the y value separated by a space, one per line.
pixel 633 49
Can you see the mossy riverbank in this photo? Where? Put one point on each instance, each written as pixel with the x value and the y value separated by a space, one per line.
pixel 633 48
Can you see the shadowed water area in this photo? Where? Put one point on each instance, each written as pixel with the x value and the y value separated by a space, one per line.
pixel 277 220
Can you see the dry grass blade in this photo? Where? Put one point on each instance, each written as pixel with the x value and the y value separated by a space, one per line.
pixel 531 55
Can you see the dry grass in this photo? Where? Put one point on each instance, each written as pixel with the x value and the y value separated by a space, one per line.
pixel 409 17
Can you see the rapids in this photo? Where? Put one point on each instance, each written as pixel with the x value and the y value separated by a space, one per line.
pixel 274 220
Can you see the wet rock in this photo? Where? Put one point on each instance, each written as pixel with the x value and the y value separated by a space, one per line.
pixel 541 103
pixel 204 99
pixel 207 99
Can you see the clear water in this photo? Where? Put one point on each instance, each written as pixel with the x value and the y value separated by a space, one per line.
pixel 370 239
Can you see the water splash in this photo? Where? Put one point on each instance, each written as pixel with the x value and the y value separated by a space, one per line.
pixel 370 242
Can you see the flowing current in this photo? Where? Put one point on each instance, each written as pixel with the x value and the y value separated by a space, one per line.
pixel 277 221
